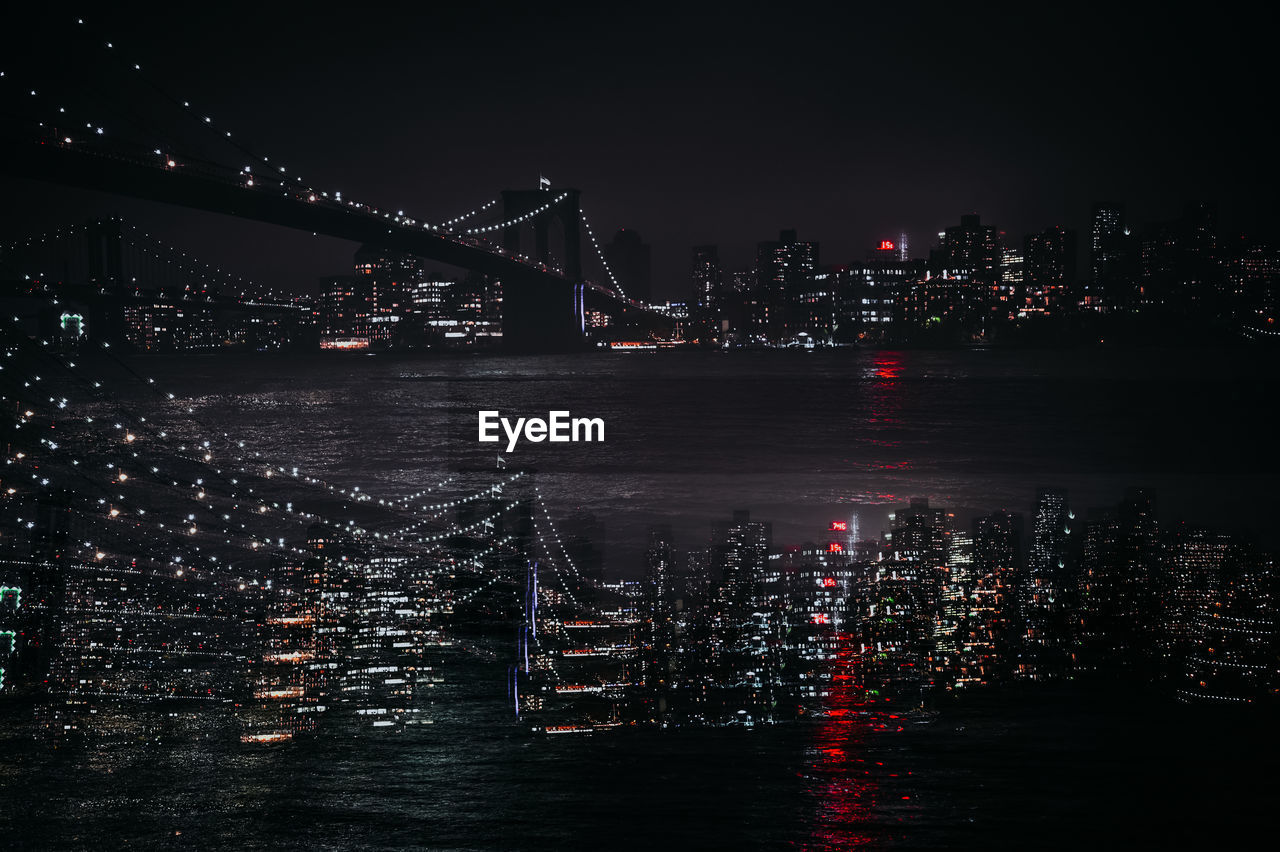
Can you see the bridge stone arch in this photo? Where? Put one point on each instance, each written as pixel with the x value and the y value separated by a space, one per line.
pixel 568 210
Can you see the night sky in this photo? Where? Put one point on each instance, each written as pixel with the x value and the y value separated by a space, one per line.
pixel 716 124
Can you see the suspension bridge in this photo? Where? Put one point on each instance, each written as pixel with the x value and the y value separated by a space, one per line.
pixel 546 297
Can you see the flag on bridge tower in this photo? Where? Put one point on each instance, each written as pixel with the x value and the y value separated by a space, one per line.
pixel 544 182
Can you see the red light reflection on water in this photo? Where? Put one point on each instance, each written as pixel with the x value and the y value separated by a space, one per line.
pixel 887 366
pixel 884 396
pixel 884 427
pixel 843 786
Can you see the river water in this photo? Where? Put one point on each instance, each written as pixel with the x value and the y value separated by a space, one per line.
pixel 1058 768
pixel 798 438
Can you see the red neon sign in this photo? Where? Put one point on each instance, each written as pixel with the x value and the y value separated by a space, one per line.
pixel 835 547
pixel 821 618
pixel 839 526
pixel 886 245
pixel 828 582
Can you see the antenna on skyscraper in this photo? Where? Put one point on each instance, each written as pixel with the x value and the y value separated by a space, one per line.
pixel 902 246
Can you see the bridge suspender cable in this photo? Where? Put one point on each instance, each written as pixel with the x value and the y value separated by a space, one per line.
pixel 600 254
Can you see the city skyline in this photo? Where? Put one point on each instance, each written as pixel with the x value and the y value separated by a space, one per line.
pixel 1013 150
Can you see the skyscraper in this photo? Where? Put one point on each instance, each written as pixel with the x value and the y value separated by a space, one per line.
pixel 1042 591
pixel 782 270
pixel 1111 256
pixel 970 248
pixel 705 274
pixel 749 654
pixel 988 637
pixel 1119 598
pixel 1050 269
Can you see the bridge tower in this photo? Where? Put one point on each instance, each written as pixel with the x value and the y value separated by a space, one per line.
pixel 106 254
pixel 537 315
pixel 568 210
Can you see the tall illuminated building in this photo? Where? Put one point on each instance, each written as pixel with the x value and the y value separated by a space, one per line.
pixel 920 533
pixel 1230 653
pixel 1119 596
pixel 1044 590
pixel 954 608
pixel 971 248
pixel 741 549
pixel 705 274
pixel 1050 269
pixel 1013 263
pixel 748 633
pixel 1197 569
pixel 783 269
pixel 706 277
pixel 988 637
pixel 345 309
pixel 1111 255
pixel 386 282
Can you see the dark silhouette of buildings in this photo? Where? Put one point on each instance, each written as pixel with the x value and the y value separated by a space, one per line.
pixel 630 258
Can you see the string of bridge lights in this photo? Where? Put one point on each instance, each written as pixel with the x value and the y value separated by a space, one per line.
pixel 475 558
pixel 173 533
pixel 47 236
pixel 201 494
pixel 600 254
pixel 146 244
pixel 207 122
pixel 313 195
pixel 417 494
pixel 555 534
pixel 483 494
pixel 450 533
pixel 126 649
pixel 356 493
pixel 400 218
pixel 203 119
pixel 242 282
pixel 456 219
pixel 246 176
pixel 96 129
pixel 519 219
pixel 256 541
pixel 247 171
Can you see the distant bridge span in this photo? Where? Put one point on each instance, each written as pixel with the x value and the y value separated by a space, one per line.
pixel 543 310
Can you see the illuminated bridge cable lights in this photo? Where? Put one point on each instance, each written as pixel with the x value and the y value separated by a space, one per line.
pixel 519 219
pixel 247 505
pixel 555 535
pixel 246 173
pixel 246 463
pixel 217 272
pixel 465 216
pixel 203 119
pixel 255 540
pixel 244 177
pixel 93 128
pixel 600 254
